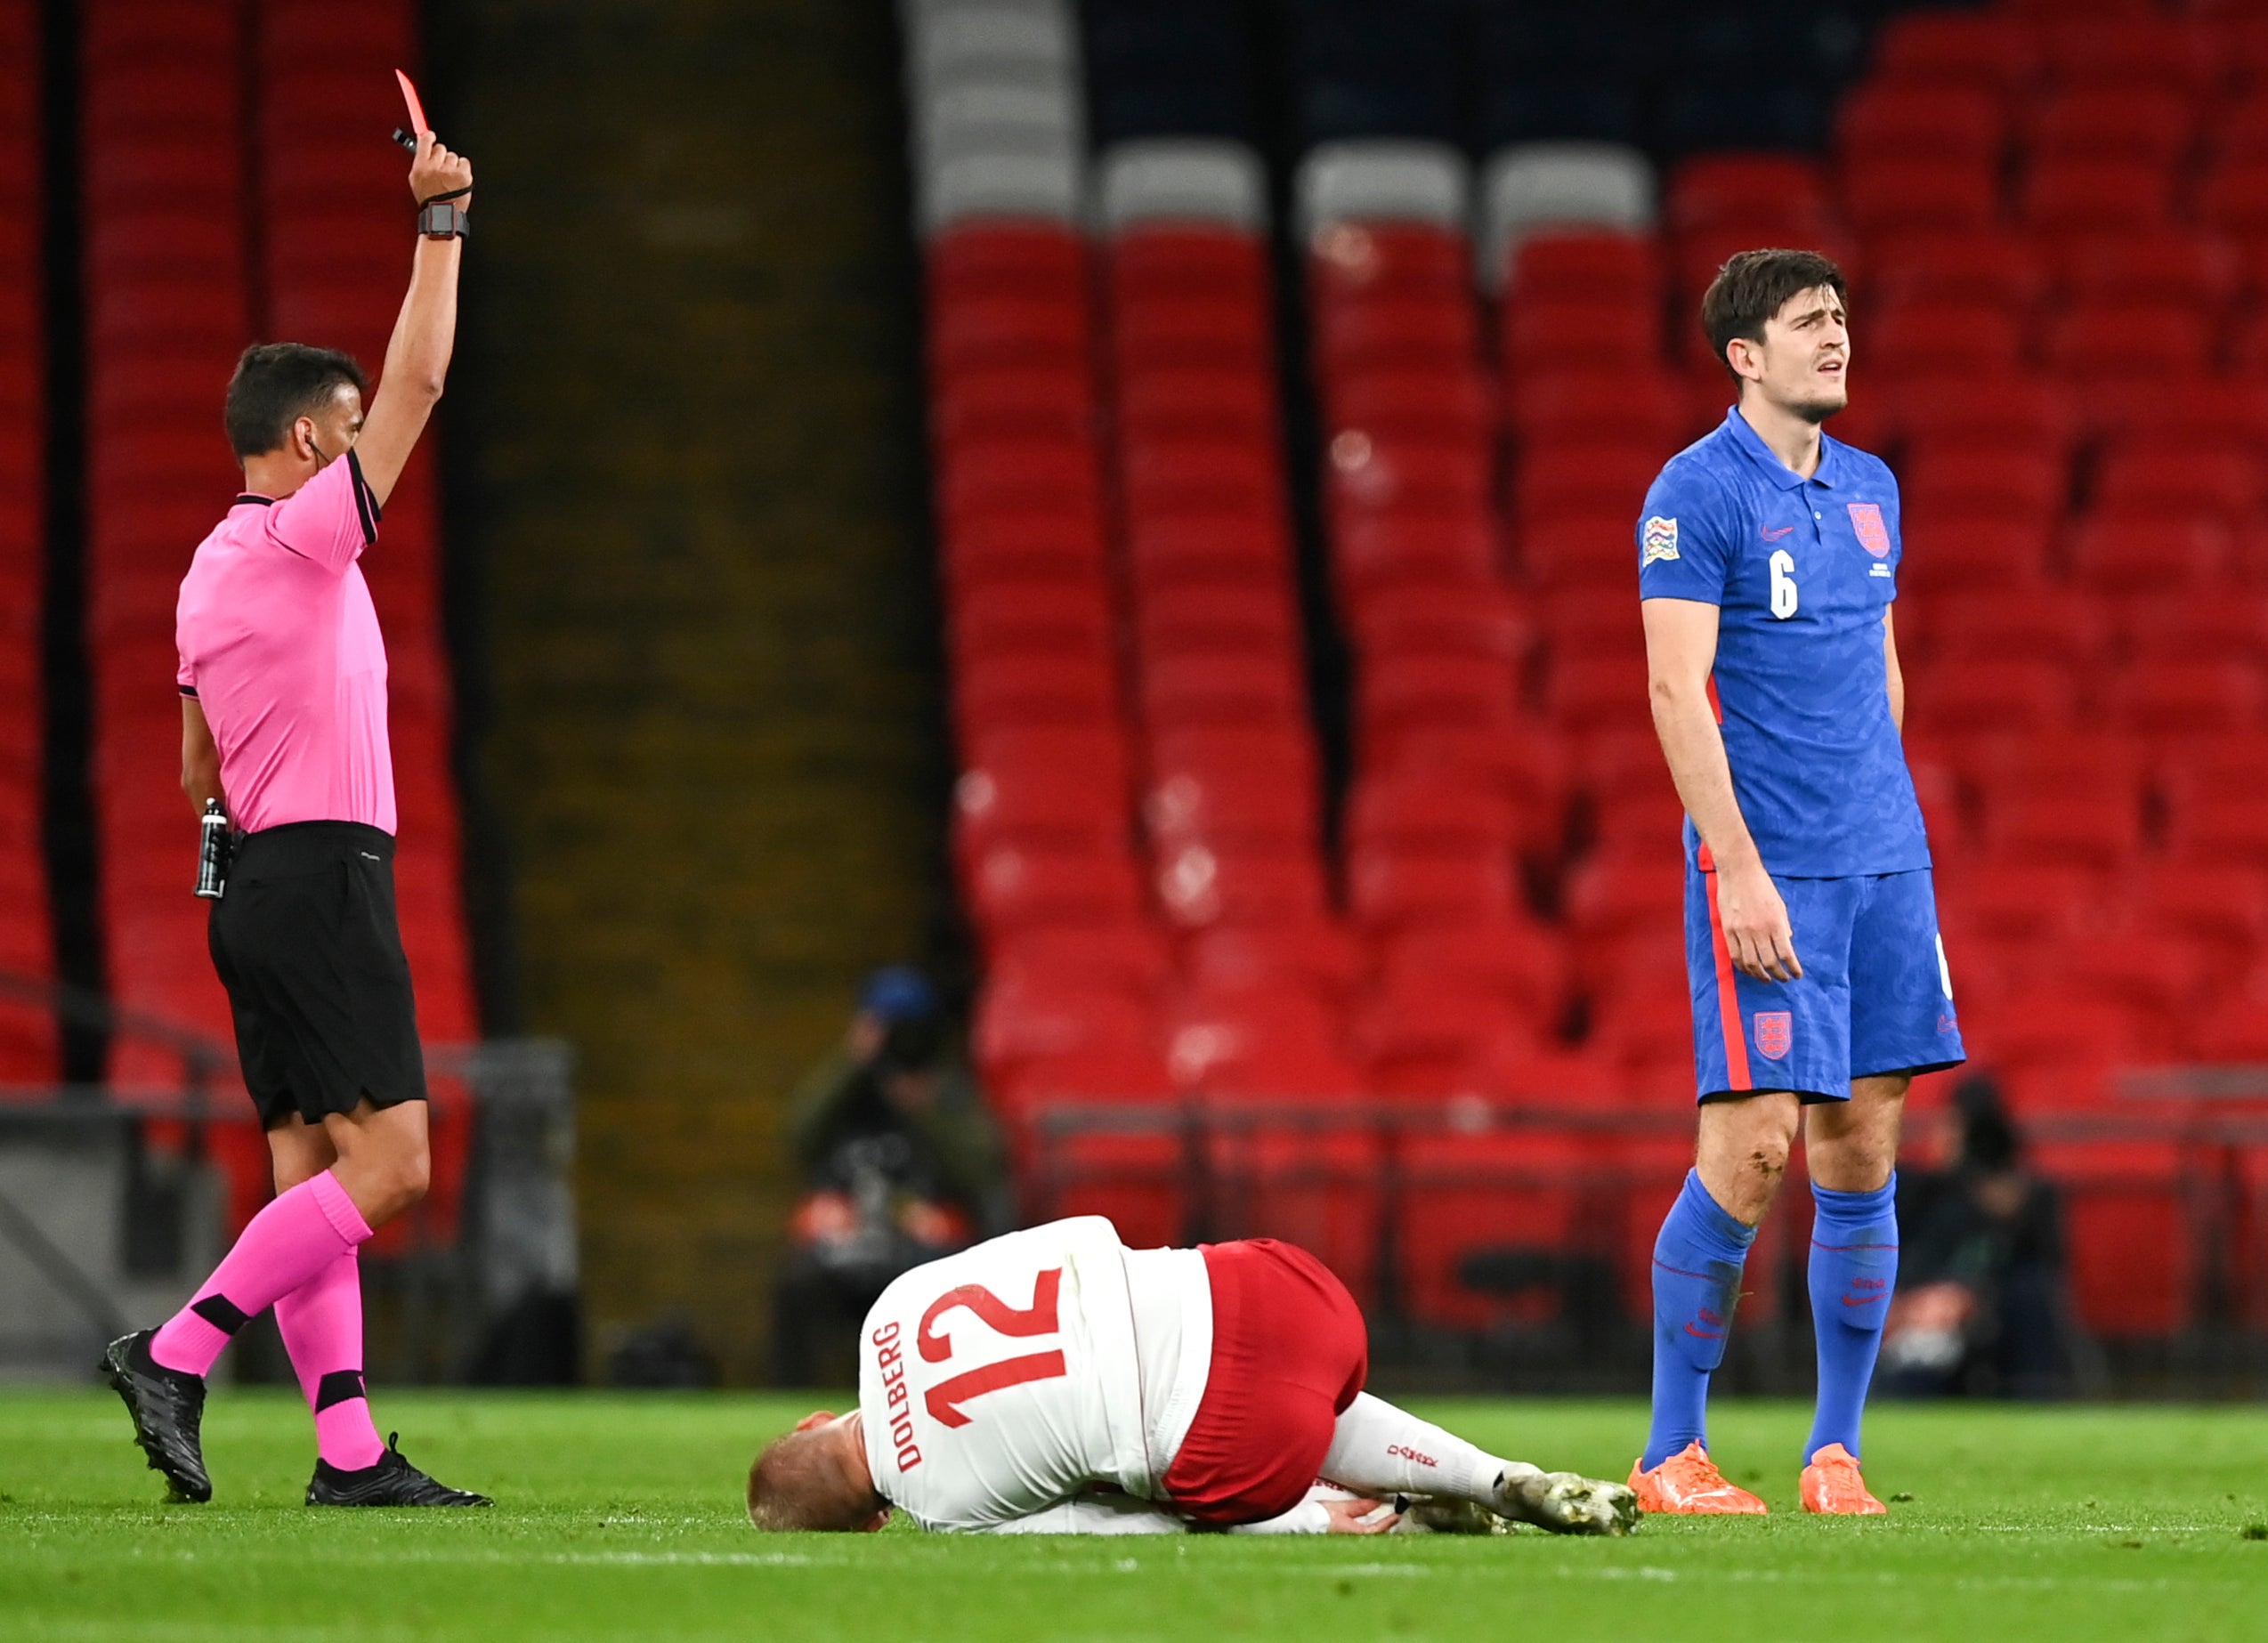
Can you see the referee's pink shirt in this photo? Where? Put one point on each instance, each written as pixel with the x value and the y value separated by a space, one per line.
pixel 279 644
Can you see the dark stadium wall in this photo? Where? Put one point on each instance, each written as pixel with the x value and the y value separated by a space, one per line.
pixel 687 504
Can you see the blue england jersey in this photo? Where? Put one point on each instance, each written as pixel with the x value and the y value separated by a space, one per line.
pixel 1802 571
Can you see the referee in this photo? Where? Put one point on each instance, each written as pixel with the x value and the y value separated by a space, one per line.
pixel 283 685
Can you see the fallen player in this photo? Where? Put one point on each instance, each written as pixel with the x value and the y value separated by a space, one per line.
pixel 1054 1381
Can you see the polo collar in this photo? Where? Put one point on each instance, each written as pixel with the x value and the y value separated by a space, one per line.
pixel 1767 458
pixel 245 497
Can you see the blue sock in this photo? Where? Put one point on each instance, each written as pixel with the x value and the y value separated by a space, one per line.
pixel 1854 1267
pixel 1697 1283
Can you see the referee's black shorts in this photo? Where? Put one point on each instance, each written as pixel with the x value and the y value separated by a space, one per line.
pixel 306 942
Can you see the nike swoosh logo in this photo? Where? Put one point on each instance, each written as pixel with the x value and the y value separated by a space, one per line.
pixel 1704 1334
pixel 1865 1301
pixel 1774 536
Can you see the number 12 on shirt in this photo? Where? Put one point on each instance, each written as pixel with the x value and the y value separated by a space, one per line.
pixel 1016 1322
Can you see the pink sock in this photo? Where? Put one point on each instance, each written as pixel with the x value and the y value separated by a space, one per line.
pixel 304 1231
pixel 321 1323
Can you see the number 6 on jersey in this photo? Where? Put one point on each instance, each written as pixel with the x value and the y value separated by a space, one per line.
pixel 1783 584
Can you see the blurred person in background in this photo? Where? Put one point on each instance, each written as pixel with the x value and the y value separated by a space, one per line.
pixel 1981 1311
pixel 901 1164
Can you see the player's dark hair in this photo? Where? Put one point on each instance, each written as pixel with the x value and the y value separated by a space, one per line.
pixel 276 383
pixel 1753 286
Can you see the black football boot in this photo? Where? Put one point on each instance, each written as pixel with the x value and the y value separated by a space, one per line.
pixel 392 1481
pixel 168 1408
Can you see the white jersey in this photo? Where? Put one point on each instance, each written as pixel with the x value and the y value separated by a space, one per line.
pixel 1027 1372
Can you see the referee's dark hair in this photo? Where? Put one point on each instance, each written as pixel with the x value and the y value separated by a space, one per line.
pixel 1753 286
pixel 276 383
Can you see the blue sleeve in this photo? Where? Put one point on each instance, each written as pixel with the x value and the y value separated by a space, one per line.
pixel 1686 537
pixel 1894 518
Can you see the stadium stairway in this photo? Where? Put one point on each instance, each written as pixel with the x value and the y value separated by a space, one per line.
pixel 714 725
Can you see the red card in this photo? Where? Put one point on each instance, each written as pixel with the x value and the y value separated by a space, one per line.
pixel 416 109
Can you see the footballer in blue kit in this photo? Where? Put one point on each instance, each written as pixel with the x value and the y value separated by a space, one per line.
pixel 1768 559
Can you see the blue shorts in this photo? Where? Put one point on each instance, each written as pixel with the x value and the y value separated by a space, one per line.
pixel 1876 996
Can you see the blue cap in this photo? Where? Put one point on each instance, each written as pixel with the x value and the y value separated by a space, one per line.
pixel 898 992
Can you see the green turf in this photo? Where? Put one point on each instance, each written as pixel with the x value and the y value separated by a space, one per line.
pixel 620 1518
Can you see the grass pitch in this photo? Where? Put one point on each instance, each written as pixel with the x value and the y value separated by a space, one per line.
pixel 619 1516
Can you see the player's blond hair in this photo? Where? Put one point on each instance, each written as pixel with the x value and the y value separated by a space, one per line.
pixel 798 1483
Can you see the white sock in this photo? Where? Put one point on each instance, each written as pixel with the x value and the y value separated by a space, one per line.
pixel 1378 1450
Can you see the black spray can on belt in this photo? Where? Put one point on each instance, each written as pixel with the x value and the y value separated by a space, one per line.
pixel 212 851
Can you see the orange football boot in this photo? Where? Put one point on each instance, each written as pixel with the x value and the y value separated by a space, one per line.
pixel 1690 1482
pixel 1832 1484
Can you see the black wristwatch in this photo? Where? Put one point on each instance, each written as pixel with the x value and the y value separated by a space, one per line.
pixel 440 220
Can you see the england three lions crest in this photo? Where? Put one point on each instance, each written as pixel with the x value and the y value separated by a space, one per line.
pixel 1658 540
pixel 1775 1032
pixel 1873 536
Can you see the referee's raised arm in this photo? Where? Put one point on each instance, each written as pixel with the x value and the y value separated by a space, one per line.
pixel 417 362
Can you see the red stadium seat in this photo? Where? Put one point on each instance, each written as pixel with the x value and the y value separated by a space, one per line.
pixel 1200 476
pixel 1945 476
pixel 2127 553
pixel 2203 411
pixel 1995 53
pixel 1411 813
pixel 1056 403
pixel 1024 476
pixel 1938 262
pixel 2147 475
pixel 1012 545
pixel 1420 1035
pixel 2099 829
pixel 1562 333
pixel 1186 259
pixel 1955 551
pixel 1587 264
pixel 1019 259
pixel 979 331
pixel 1394 692
pixel 2119 120
pixel 2049 623
pixel 2129 46
pixel 2232 626
pixel 2222 907
pixel 1745 189
pixel 1916 338
pixel 1397 889
pixel 1456 546
pixel 1586 691
pixel 1131 958
pixel 2170 266
pixel 1896 194
pixel 1611 893
pixel 999 690
pixel 2095 197
pixel 1056 616
pixel 1523 964
pixel 1208 688
pixel 1012 889
pixel 1361 261
pixel 1887 119
pixel 1319 956
pixel 1199 887
pixel 1989 694
pixel 1209 548
pixel 1197 403
pixel 2189 698
pixel 1584 619
pixel 1585 406
pixel 1177 618
pixel 1047 791
pixel 1971 409
pixel 1283 752
pixel 1235 810
pixel 1397 333
pixel 1368 475
pixel 1191 331
pixel 1558 481
pixel 1479 618
pixel 2131 340
pixel 1443 406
